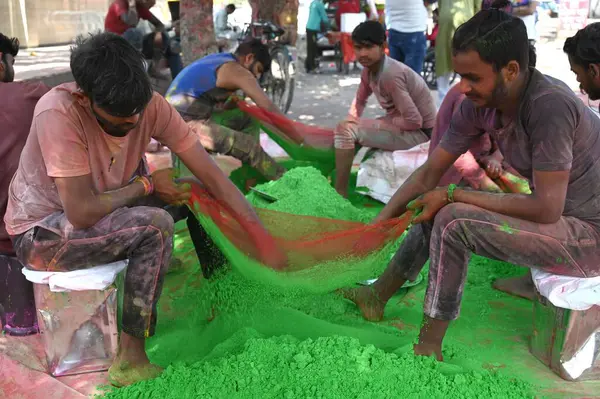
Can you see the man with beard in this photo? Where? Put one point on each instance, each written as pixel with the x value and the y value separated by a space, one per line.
pixel 401 92
pixel 583 50
pixel 18 100
pixel 82 196
pixel 546 133
pixel 202 91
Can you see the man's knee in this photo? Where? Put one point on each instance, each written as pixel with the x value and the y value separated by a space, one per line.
pixel 345 136
pixel 243 146
pixel 455 213
pixel 157 218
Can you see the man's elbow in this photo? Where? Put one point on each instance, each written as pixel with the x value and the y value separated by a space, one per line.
pixel 548 215
pixel 80 218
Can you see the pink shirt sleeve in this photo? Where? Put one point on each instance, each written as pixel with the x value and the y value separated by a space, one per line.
pixel 171 129
pixel 409 117
pixel 63 149
pixel 362 96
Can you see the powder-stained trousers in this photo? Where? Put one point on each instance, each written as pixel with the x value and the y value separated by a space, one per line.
pixel 141 234
pixel 569 247
pixel 376 134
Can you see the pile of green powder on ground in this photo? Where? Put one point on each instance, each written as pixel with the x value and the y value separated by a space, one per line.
pixel 238 337
pixel 305 191
pixel 328 367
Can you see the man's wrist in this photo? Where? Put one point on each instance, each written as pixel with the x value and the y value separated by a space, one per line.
pixel 147 182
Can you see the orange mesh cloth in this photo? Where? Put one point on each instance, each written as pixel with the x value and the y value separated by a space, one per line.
pixel 307 241
pixel 311 136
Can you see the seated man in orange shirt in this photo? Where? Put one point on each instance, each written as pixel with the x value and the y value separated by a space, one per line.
pixel 82 196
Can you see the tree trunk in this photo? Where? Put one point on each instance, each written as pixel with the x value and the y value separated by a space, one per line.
pixel 197 29
pixel 282 12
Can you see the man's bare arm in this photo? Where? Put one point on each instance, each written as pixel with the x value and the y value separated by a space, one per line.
pixel 218 185
pixel 131 17
pixel 544 205
pixel 422 180
pixel 233 76
pixel 84 207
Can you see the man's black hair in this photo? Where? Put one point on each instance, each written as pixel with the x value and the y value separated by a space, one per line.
pixel 231 7
pixel 110 71
pixel 496 36
pixel 9 45
pixel 259 49
pixel 584 47
pixel 369 33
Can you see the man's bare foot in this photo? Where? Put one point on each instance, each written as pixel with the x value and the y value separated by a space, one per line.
pixel 428 350
pixel 367 301
pixel 123 373
pixel 517 286
pixel 131 364
pixel 342 192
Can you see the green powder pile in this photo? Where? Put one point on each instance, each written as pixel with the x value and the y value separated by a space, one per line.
pixel 254 333
pixel 326 367
pixel 305 191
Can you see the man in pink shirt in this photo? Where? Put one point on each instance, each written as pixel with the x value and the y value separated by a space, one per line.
pixel 81 195
pixel 401 92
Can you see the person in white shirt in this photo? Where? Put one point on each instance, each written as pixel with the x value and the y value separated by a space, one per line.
pixel 221 23
pixel 406 21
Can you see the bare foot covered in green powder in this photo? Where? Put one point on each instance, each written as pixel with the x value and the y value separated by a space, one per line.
pixel 517 286
pixel 131 364
pixel 367 301
pixel 428 350
pixel 121 374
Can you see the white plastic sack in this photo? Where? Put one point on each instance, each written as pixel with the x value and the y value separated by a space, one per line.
pixel 386 171
pixel 95 278
pixel 568 292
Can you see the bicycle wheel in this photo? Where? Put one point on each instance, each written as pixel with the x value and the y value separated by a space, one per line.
pixel 280 83
pixel 428 72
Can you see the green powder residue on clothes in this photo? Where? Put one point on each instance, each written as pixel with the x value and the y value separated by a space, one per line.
pixel 241 335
